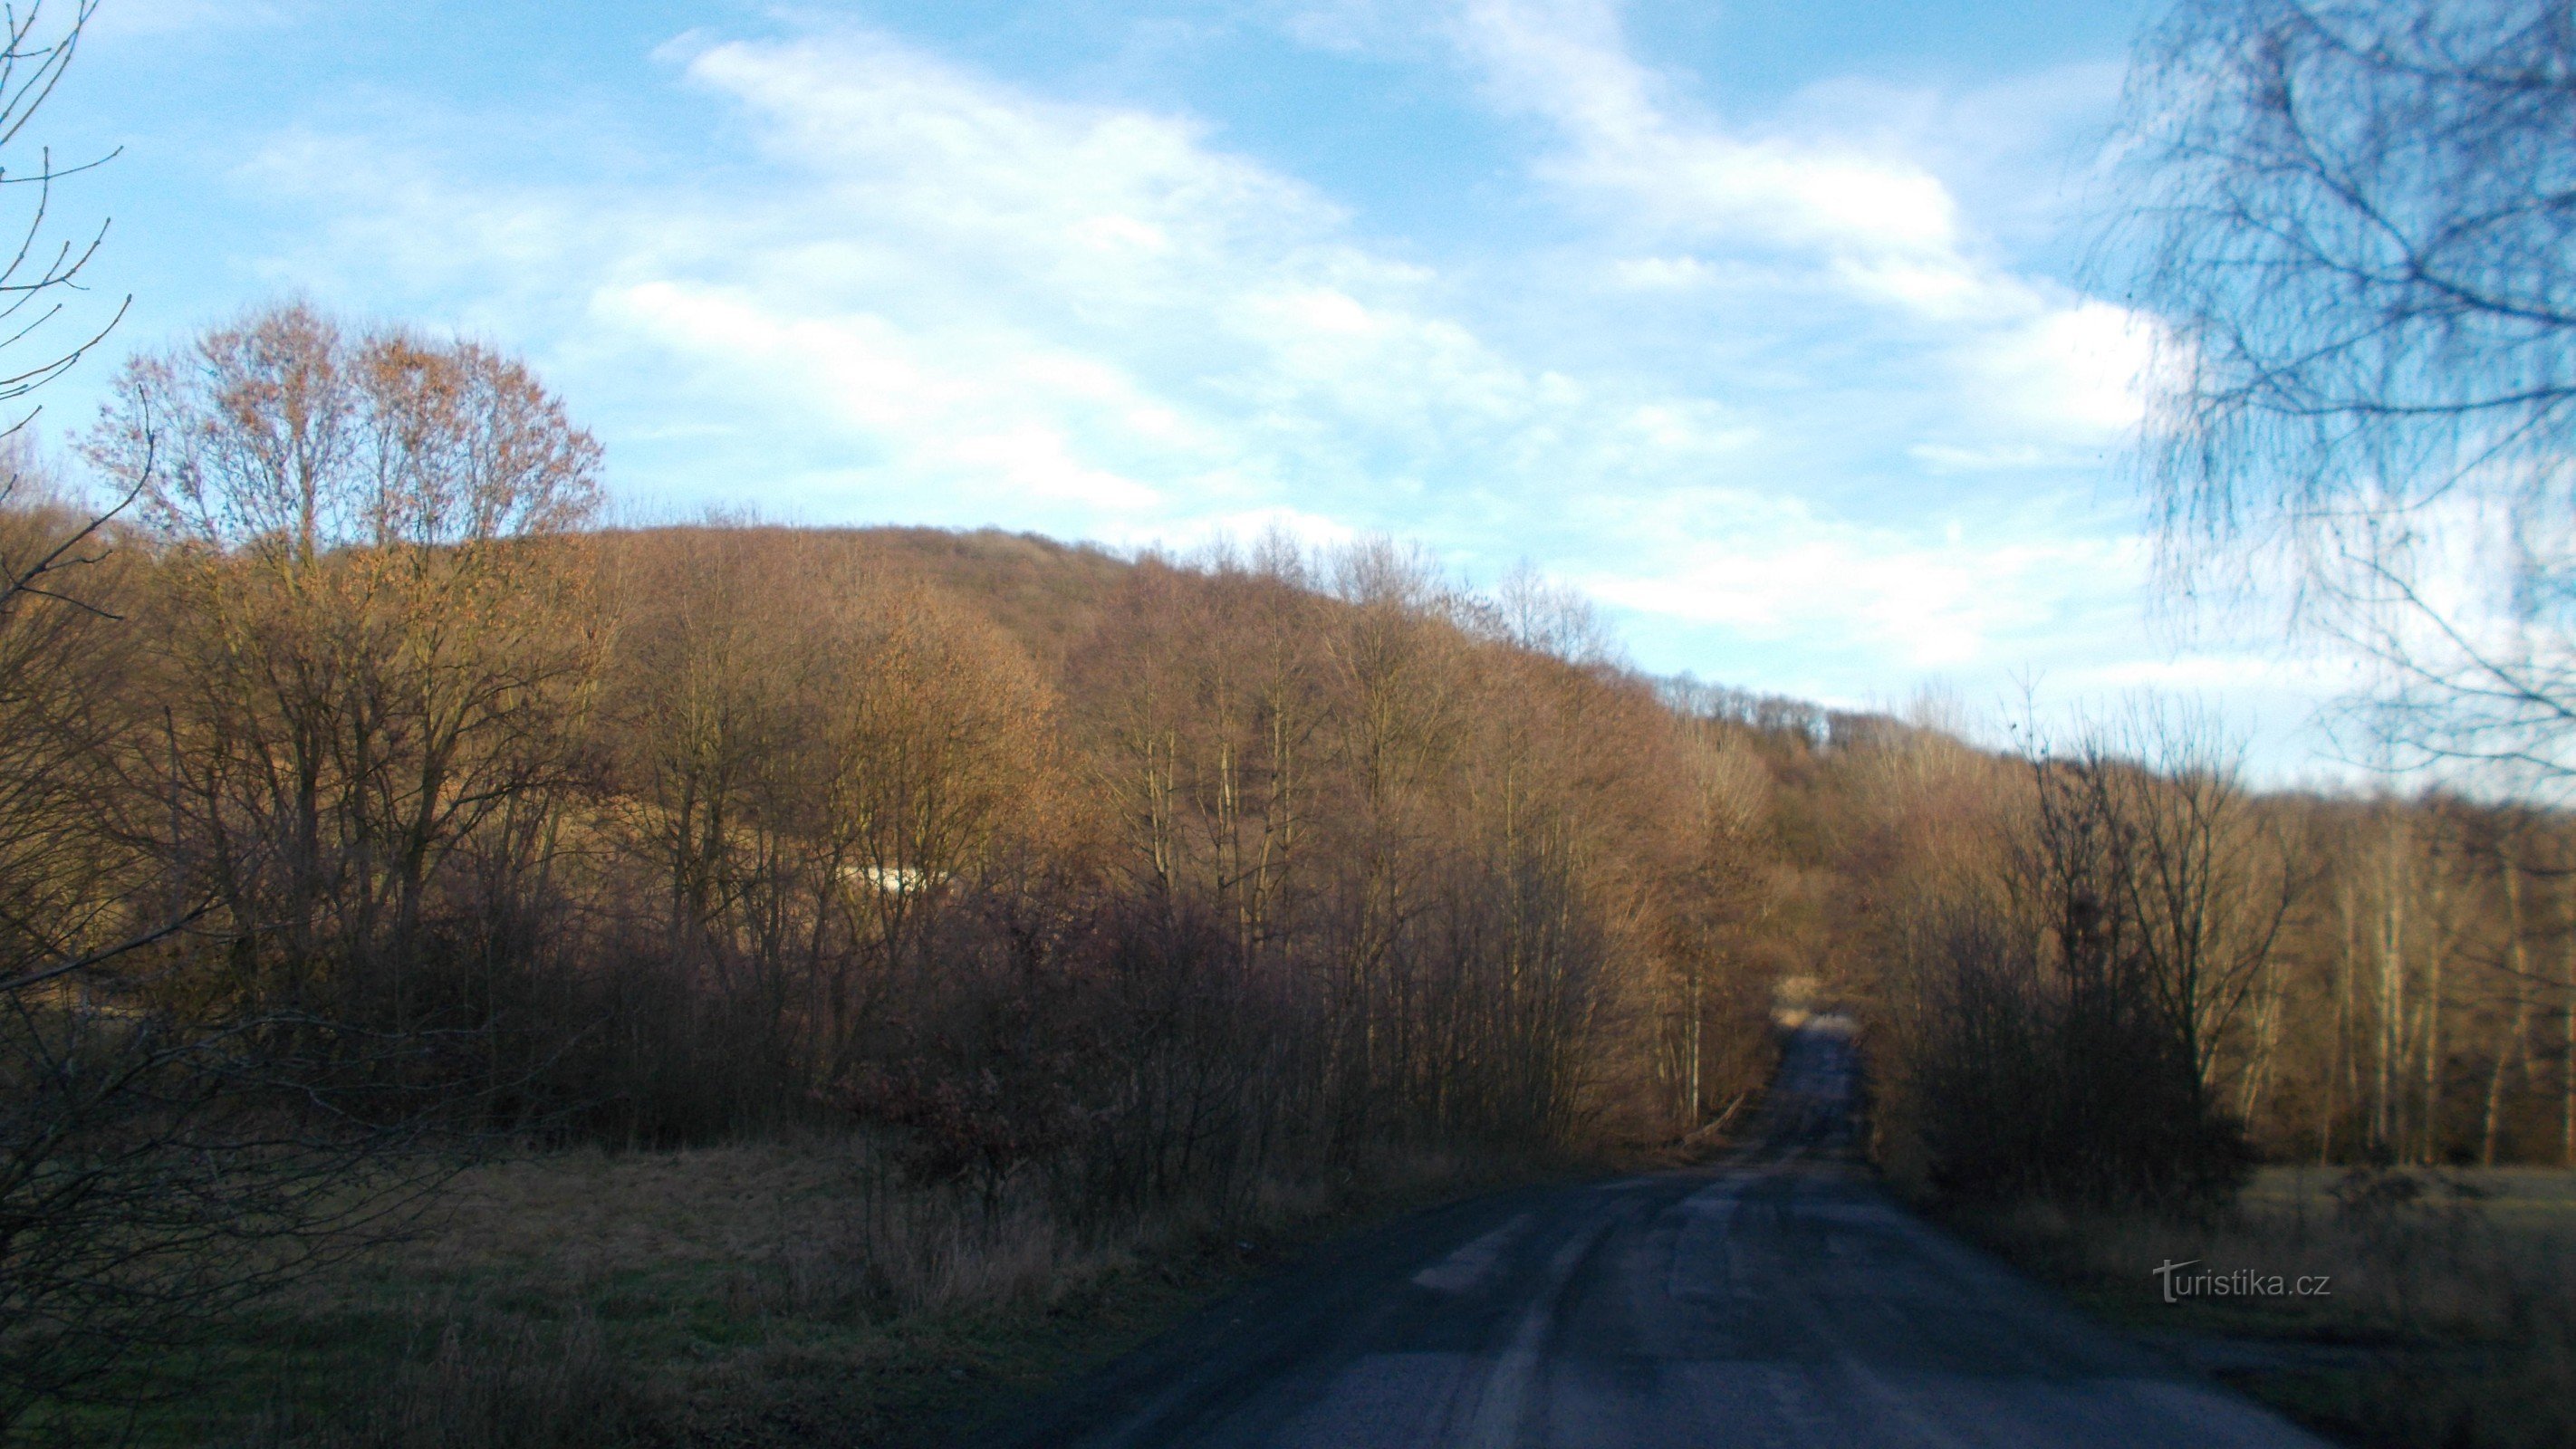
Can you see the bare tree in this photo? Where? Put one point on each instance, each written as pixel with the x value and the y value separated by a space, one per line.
pixel 377 640
pixel 2075 981
pixel 135 1154
pixel 36 48
pixel 2354 224
pixel 347 674
pixel 2210 879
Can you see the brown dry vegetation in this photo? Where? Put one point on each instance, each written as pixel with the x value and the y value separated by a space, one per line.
pixel 361 801
pixel 800 1291
pixel 2335 978
pixel 1099 894
pixel 2451 1316
pixel 2105 981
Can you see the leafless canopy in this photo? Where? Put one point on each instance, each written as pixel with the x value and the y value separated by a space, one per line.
pixel 2355 221
pixel 35 49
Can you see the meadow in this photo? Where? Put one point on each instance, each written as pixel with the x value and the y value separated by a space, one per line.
pixel 796 1292
pixel 2450 1318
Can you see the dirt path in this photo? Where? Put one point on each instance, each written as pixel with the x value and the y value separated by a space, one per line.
pixel 1780 1299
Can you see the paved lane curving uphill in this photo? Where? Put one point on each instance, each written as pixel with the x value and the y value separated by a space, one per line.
pixel 1780 1299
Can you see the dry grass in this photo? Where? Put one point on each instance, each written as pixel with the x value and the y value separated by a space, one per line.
pixel 751 1295
pixel 2451 1319
pixel 811 1228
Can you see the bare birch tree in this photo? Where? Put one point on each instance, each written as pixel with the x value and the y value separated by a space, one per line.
pixel 2352 223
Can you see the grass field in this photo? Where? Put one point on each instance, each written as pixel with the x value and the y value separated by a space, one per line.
pixel 2446 1315
pixel 766 1295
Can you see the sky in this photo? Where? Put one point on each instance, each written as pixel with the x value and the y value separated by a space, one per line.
pixel 1764 324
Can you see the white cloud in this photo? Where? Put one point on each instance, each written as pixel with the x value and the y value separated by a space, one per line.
pixel 1092 306
pixel 1772 570
pixel 1941 458
pixel 1008 299
pixel 1566 61
pixel 2074 369
pixel 1012 423
pixel 1104 206
pixel 1865 218
pixel 922 293
pixel 2202 674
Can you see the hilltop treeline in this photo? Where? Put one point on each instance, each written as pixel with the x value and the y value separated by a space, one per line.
pixel 353 782
pixel 1142 878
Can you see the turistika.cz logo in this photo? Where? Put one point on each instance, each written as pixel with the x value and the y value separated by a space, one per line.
pixel 2241 1283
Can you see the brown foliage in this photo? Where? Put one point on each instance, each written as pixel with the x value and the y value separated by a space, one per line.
pixel 1134 887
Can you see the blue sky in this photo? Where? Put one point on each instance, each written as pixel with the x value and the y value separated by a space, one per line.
pixel 1759 322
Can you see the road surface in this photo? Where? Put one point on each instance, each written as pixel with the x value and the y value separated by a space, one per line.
pixel 1779 1299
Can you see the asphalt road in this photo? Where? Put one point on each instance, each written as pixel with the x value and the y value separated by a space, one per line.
pixel 1777 1299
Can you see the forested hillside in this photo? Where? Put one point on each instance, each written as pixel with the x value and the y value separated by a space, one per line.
pixel 362 799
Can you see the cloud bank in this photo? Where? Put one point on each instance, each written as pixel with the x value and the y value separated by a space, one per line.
pixel 1763 385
